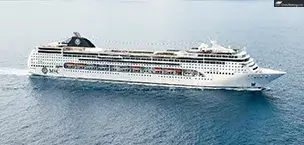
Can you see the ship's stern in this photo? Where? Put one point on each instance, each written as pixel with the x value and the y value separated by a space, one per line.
pixel 30 60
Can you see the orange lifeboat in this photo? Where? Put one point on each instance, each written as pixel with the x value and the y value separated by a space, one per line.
pixel 80 65
pixel 135 67
pixel 179 70
pixel 157 68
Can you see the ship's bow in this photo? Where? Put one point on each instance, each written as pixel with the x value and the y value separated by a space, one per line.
pixel 264 76
pixel 272 74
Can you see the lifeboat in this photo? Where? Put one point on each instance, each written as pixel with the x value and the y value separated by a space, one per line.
pixel 157 69
pixel 135 67
pixel 69 64
pixel 80 65
pixel 178 70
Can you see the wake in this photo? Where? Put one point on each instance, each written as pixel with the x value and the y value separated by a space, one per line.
pixel 13 71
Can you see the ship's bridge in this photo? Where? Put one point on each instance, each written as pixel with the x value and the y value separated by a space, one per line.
pixel 214 48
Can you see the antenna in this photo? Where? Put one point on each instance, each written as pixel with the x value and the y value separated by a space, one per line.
pixel 209 39
pixel 212 42
pixel 77 34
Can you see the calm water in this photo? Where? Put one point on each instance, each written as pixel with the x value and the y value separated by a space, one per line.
pixel 36 110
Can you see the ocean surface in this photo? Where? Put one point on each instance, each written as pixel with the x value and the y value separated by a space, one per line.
pixel 45 111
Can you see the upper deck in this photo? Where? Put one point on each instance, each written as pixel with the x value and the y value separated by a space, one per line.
pixel 81 45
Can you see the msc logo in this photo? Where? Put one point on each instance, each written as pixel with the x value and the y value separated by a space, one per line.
pixel 77 42
pixel 53 71
pixel 44 70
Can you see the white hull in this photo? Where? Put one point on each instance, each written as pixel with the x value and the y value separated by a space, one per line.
pixel 241 81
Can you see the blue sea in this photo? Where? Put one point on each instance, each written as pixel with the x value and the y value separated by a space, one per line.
pixel 45 111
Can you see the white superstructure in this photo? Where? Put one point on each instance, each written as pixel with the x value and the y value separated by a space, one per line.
pixel 205 66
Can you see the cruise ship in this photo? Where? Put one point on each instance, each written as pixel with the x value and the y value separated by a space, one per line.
pixel 205 66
